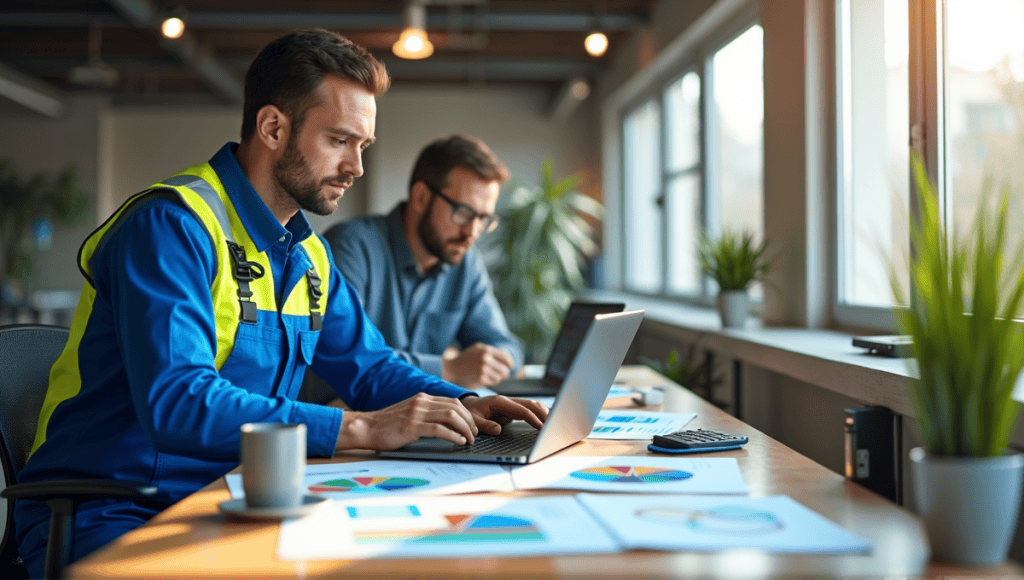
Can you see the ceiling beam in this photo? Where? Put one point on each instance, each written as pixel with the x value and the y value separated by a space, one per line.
pixel 579 22
pixel 32 93
pixel 198 58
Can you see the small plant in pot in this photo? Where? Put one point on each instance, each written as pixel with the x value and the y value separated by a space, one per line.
pixel 967 289
pixel 735 262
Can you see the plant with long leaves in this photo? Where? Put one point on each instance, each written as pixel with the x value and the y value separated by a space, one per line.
pixel 544 241
pixel 687 371
pixel 732 259
pixel 967 290
pixel 23 201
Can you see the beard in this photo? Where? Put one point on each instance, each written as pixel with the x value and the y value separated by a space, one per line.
pixel 441 249
pixel 295 177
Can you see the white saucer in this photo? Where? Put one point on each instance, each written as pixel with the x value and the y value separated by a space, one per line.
pixel 237 508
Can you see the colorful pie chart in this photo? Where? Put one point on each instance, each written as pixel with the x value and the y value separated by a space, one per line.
pixel 368 484
pixel 631 474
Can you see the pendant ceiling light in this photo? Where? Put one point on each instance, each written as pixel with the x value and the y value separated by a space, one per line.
pixel 413 43
pixel 596 43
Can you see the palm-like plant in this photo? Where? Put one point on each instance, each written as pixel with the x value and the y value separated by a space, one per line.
pixel 967 290
pixel 544 239
pixel 22 202
pixel 733 259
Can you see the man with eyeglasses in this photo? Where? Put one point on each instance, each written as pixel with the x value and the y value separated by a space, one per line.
pixel 421 281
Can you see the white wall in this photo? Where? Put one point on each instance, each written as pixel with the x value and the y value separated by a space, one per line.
pixel 120 151
pixel 35 143
pixel 513 123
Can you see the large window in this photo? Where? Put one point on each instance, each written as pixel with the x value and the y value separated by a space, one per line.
pixel 692 159
pixel 949 82
pixel 984 70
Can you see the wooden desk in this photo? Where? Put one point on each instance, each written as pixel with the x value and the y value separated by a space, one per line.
pixel 193 540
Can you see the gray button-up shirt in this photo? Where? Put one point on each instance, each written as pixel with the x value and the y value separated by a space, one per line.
pixel 419 315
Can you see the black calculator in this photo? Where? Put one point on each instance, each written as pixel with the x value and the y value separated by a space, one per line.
pixel 696 441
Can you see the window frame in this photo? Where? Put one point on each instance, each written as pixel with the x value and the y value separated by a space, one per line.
pixel 698 60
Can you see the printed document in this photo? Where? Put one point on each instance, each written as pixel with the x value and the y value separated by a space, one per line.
pixel 444 527
pixel 395 477
pixel 633 474
pixel 701 523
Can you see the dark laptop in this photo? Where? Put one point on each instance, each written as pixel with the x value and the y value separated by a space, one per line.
pixel 573 415
pixel 574 328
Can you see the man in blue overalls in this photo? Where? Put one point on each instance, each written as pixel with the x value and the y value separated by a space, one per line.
pixel 208 295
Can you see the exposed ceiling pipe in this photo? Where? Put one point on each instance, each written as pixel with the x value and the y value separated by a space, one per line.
pixel 198 58
pixel 270 20
pixel 32 93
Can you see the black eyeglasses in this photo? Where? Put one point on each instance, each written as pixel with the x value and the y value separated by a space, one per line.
pixel 462 214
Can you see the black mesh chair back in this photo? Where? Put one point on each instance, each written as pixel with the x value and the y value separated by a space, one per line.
pixel 27 352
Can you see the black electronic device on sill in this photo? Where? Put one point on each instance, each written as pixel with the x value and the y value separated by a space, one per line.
pixel 895 346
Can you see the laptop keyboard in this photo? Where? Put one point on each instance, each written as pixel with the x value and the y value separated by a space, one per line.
pixel 516 443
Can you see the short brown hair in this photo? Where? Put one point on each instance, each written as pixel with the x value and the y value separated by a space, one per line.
pixel 437 160
pixel 289 70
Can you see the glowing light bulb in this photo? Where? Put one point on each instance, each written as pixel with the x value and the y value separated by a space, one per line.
pixel 596 43
pixel 413 44
pixel 173 27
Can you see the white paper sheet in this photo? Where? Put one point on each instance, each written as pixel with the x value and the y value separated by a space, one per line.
pixel 776 523
pixel 633 474
pixel 377 478
pixel 444 527
pixel 627 424
pixel 615 393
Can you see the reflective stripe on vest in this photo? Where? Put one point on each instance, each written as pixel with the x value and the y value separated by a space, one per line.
pixel 201 191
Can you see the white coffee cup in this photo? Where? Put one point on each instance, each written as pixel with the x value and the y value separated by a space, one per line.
pixel 273 464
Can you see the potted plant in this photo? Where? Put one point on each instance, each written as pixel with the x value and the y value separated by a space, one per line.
pixel 967 289
pixel 685 370
pixel 734 261
pixel 542 244
pixel 29 208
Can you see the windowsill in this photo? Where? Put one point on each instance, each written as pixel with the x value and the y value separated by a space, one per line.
pixel 824 358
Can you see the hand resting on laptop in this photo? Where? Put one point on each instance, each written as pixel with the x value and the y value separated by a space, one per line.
pixel 423 415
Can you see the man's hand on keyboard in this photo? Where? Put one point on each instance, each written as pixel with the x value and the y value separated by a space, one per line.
pixel 493 413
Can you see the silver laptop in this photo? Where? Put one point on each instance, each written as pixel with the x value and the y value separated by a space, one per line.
pixel 574 327
pixel 572 416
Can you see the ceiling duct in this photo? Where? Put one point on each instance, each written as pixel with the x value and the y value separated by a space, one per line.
pixel 94 73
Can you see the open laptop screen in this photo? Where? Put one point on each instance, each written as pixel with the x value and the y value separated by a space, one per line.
pixel 574 328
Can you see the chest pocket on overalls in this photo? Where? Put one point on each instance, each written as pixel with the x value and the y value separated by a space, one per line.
pixel 255 360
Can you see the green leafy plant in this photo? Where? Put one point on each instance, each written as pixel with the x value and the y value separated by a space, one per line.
pixel 967 289
pixel 543 242
pixel 732 259
pixel 23 202
pixel 684 370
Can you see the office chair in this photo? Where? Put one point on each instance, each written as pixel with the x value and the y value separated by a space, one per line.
pixel 27 351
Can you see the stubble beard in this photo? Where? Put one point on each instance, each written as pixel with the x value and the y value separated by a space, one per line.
pixel 295 177
pixel 434 244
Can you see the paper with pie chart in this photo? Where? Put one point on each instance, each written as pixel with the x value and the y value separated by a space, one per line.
pixel 629 474
pixel 384 478
pixel 444 527
pixel 705 523
pixel 631 424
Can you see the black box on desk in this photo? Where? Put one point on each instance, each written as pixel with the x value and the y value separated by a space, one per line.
pixel 873 442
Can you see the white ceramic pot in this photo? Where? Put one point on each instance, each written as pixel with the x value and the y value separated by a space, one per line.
pixel 969 504
pixel 733 306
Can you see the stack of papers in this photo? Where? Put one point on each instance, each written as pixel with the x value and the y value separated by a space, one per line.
pixel 456 527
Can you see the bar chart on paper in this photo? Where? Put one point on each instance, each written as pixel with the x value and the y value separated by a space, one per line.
pixel 444 527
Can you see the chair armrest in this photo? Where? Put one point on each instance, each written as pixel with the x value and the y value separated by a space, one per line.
pixel 79 489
